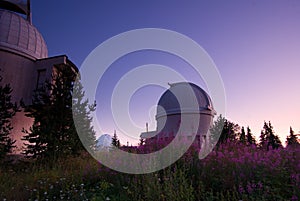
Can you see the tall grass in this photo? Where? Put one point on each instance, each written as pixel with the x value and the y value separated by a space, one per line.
pixel 231 172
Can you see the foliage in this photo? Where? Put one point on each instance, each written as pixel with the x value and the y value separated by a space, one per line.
pixel 142 141
pixel 292 139
pixel 115 140
pixel 53 133
pixel 249 137
pixel 243 136
pixel 234 171
pixel 268 138
pixel 216 129
pixel 223 131
pixel 8 110
pixel 82 114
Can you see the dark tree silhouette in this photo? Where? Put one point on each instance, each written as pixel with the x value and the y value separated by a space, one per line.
pixel 268 138
pixel 229 131
pixel 243 136
pixel 115 141
pixel 8 110
pixel 142 142
pixel 216 130
pixel 249 137
pixel 53 133
pixel 292 138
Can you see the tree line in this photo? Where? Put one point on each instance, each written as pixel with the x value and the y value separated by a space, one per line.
pixel 224 130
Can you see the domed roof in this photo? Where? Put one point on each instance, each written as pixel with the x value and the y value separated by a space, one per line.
pixel 19 36
pixel 193 99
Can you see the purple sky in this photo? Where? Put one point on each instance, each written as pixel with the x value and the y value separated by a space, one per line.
pixel 255 45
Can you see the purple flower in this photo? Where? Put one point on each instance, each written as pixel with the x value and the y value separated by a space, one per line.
pixel 294 198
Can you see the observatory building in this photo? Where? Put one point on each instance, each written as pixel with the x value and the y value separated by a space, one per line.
pixel 182 100
pixel 24 60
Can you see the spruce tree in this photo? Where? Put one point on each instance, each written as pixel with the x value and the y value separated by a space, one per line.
pixel 82 114
pixel 8 110
pixel 216 130
pixel 115 141
pixel 54 133
pixel 268 137
pixel 249 137
pixel 243 136
pixel 223 130
pixel 142 142
pixel 292 138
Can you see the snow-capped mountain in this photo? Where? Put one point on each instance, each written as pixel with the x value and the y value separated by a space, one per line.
pixel 104 142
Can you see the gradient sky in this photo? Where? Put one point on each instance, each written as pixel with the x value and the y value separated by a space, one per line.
pixel 254 44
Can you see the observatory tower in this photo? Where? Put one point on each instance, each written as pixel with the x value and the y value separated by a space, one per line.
pixel 186 100
pixel 24 60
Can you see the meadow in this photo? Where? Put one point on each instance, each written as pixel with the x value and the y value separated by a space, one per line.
pixel 233 171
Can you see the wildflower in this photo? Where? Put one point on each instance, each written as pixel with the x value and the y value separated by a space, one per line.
pixel 107 198
pixel 241 189
pixel 294 198
pixel 259 185
pixel 249 188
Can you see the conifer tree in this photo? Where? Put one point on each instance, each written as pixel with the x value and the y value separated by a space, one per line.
pixel 115 141
pixel 142 142
pixel 268 138
pixel 223 131
pixel 249 137
pixel 8 110
pixel 216 130
pixel 53 133
pixel 243 136
pixel 292 138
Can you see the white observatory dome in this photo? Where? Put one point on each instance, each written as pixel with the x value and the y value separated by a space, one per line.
pixel 17 35
pixel 195 107
pixel 185 91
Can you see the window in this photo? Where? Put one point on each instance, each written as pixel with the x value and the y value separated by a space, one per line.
pixel 41 78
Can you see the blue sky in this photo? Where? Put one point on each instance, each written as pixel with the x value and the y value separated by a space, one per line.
pixel 254 44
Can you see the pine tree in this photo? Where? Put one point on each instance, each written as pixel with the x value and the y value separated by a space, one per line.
pixel 243 136
pixel 82 115
pixel 249 137
pixel 54 133
pixel 263 136
pixel 216 130
pixel 8 110
pixel 268 138
pixel 223 131
pixel 115 141
pixel 142 142
pixel 292 138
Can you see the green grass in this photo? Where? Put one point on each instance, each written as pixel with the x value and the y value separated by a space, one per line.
pixel 239 173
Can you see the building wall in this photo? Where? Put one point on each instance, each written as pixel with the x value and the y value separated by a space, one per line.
pixel 19 122
pixel 171 123
pixel 168 127
pixel 24 76
pixel 19 72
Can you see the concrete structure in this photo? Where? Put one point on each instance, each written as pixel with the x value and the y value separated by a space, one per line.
pixel 24 60
pixel 186 100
